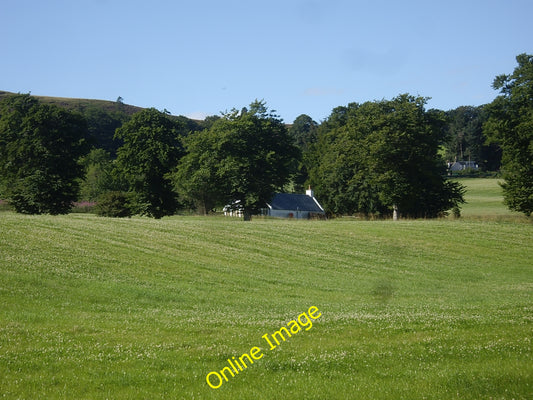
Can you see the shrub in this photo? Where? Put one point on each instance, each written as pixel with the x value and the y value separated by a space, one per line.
pixel 83 207
pixel 4 205
pixel 113 204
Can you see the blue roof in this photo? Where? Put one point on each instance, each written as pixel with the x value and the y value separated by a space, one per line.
pixel 296 202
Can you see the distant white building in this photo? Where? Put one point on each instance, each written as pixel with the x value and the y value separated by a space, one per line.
pixel 301 206
pixel 234 209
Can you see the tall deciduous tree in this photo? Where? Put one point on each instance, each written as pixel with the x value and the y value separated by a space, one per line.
pixel 511 125
pixel 102 125
pixel 40 146
pixel 465 139
pixel 304 131
pixel 381 158
pixel 244 156
pixel 98 175
pixel 151 150
pixel 198 178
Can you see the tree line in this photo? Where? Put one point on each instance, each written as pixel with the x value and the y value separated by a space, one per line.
pixel 379 158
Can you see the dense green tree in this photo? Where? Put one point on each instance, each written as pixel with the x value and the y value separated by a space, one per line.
pixel 511 125
pixel 187 124
pixel 98 175
pixel 102 125
pixel 114 204
pixel 209 121
pixel 464 134
pixel 151 150
pixel 244 156
pixel 380 157
pixel 198 178
pixel 465 139
pixel 40 145
pixel 304 131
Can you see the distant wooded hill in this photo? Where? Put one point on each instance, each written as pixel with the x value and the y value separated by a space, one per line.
pixel 84 104
pixel 464 137
pixel 104 117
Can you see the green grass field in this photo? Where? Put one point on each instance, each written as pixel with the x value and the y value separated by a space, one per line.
pixel 484 199
pixel 97 308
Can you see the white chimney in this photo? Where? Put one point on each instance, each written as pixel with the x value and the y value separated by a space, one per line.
pixel 310 192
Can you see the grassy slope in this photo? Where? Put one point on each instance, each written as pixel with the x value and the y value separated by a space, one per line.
pixel 80 104
pixel 484 197
pixel 136 308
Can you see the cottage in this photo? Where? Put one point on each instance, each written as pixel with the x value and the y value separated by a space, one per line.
pixel 462 165
pixel 286 205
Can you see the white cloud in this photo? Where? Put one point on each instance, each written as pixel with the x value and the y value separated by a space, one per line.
pixel 198 115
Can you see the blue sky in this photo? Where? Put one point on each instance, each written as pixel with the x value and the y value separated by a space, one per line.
pixel 201 57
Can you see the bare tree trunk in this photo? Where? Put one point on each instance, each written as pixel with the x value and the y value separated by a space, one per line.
pixel 201 208
pixel 395 212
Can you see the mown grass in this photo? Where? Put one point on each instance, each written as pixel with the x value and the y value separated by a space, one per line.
pixel 95 308
pixel 484 200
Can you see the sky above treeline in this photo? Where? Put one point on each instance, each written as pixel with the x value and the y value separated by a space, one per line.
pixel 203 57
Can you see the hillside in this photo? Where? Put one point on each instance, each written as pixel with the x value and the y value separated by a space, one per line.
pixel 96 308
pixel 82 105
pixel 104 117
